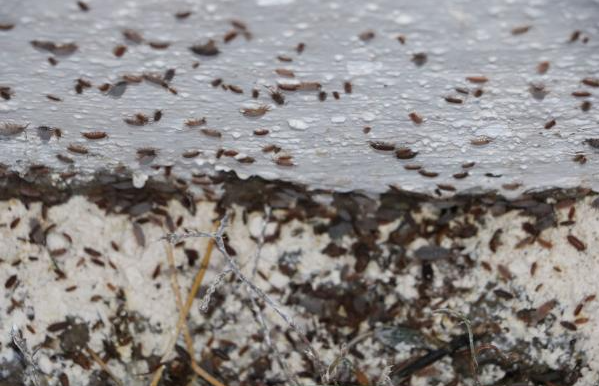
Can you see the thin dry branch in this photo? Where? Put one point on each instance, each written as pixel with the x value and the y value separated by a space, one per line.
pixel 103 366
pixel 173 238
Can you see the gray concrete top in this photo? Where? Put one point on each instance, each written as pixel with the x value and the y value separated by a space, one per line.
pixel 401 57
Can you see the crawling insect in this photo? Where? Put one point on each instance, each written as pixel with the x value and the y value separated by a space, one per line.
pixel 382 146
pixel 138 119
pixel 8 129
pixel 78 149
pixel 255 112
pixel 207 49
pixel 417 119
pixel 211 133
pixel 195 122
pixel 95 134
pixel 276 96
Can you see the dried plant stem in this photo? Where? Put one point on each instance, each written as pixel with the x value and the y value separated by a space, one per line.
pixel 220 245
pixel 187 336
pixel 103 365
pixel 468 325
pixel 157 376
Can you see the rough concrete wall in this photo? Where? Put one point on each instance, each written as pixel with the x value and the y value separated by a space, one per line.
pixel 504 41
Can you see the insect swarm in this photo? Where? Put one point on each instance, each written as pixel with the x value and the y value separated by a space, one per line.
pixel 255 112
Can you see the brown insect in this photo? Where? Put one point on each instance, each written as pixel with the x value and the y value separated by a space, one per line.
pixel 426 173
pixel 53 98
pixel 550 124
pixel 412 167
pixel 195 65
pixel 446 187
pixel 300 48
pixel 10 129
pixel 495 241
pixel 417 119
pixel 478 93
pixel 336 95
pixel 574 36
pixel 401 39
pixel 271 148
pixel 366 129
pixel 147 152
pixel 593 82
pixel 581 94
pixel 133 36
pixel 255 93
pixel 255 112
pixel 64 158
pixel 52 61
pixel 592 142
pixel 14 223
pixel 585 106
pixel 6 26
pixel 284 161
pixel 511 186
pixel 576 243
pixel 104 87
pixel 138 119
pixel 367 35
pixel 230 153
pixel 235 89
pixel 207 49
pixel 543 67
pixel 232 34
pixel 157 115
pixel 462 90
pixel 276 96
pixel 191 154
pixel 521 30
pixel 119 50
pixel 347 87
pixel 285 72
pixel 61 49
pixel 419 59
pixel 322 96
pixel 382 146
pixel 95 134
pixel 212 133
pixel 5 92
pixel 216 82
pixel 309 86
pixel 195 122
pixel 246 160
pixel 405 153
pixel 477 79
pixel 159 45
pixel 78 149
pixel 183 15
pixel 580 158
pixel 460 175
pixel 482 140
pixel 285 58
pixel 261 132
pixel 288 86
pixel 454 100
